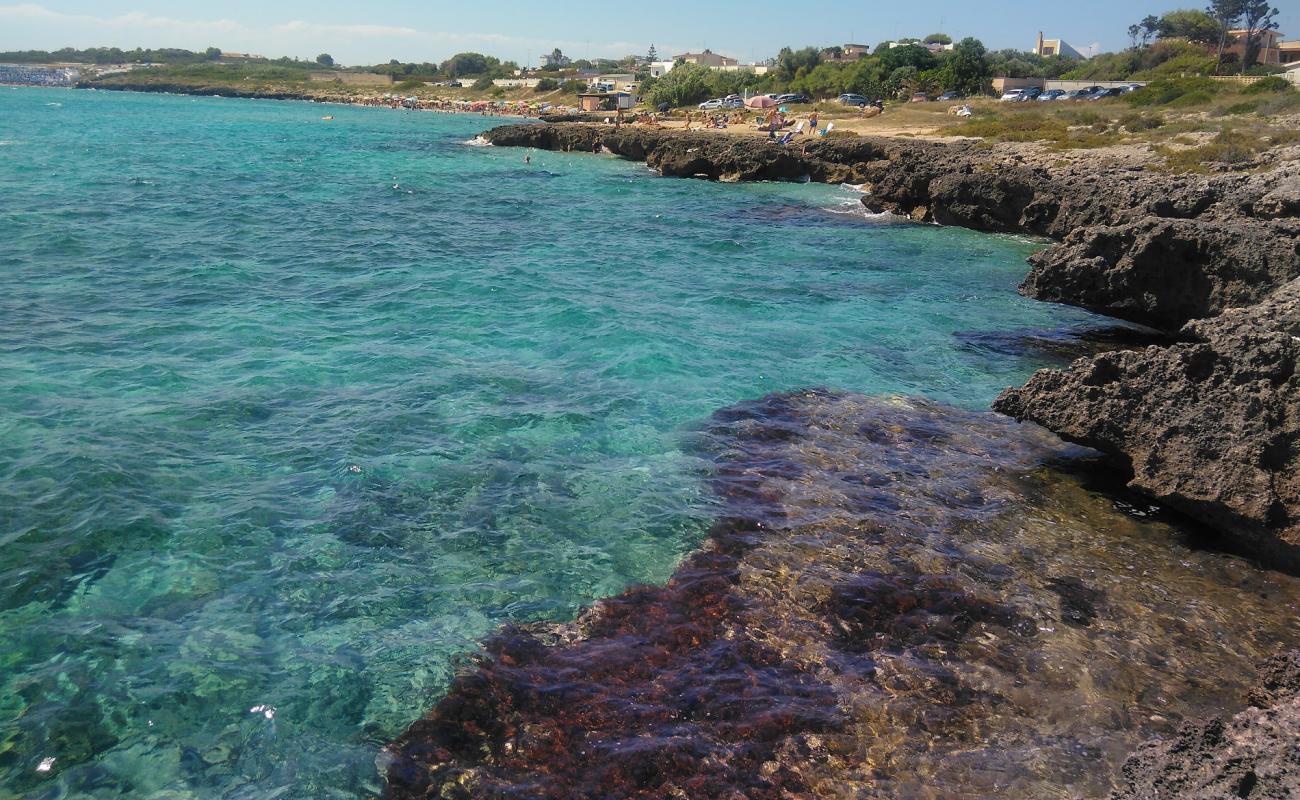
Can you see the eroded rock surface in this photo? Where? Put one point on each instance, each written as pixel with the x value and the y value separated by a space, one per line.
pixel 1210 426
pixel 1255 754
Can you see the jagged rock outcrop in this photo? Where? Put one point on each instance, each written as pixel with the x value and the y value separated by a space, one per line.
pixel 1209 426
pixel 1163 272
pixel 1255 754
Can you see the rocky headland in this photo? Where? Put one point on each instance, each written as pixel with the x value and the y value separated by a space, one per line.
pixel 1210 424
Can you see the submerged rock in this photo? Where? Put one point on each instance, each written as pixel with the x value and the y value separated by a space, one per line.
pixel 899 600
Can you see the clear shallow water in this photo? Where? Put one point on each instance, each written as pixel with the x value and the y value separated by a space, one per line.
pixel 293 412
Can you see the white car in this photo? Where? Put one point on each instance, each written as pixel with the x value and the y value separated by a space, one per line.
pixel 709 105
pixel 1012 95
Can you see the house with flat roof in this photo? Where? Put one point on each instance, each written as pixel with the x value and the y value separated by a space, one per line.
pixel 1056 47
pixel 708 58
pixel 1270 46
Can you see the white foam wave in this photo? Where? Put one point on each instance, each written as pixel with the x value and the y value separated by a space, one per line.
pixel 478 141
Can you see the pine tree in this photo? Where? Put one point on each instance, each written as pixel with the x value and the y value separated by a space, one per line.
pixel 652 56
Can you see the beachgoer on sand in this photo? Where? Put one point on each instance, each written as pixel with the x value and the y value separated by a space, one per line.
pixel 812 124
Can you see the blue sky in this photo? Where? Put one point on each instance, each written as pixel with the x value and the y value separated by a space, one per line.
pixel 432 30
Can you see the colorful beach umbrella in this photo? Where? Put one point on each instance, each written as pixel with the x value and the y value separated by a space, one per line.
pixel 760 101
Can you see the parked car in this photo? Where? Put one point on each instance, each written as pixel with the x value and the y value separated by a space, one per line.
pixel 794 98
pixel 1077 94
pixel 920 97
pixel 946 96
pixel 1132 87
pixel 1012 95
pixel 853 100
pixel 1032 93
pixel 1051 94
pixel 1102 94
pixel 733 102
pixel 711 105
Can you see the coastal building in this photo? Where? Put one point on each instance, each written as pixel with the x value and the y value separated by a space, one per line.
pixel 1288 52
pixel 933 47
pixel 556 59
pixel 1056 47
pixel 658 69
pixel 1270 47
pixel 846 52
pixel 708 58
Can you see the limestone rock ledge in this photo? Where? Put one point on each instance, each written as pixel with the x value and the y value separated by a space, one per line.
pixel 1209 426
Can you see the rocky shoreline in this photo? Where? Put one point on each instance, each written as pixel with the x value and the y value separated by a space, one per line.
pixel 1209 425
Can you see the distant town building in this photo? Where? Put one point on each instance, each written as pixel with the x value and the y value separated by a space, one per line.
pixel 658 69
pixel 245 56
pixel 1270 47
pixel 1289 52
pixel 1056 47
pixel 556 59
pixel 847 52
pixel 707 59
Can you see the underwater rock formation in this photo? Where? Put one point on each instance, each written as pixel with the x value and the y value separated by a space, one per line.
pixel 899 600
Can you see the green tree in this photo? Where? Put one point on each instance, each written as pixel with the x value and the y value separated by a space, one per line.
pixel 789 62
pixel 325 60
pixel 463 64
pixel 968 67
pixel 547 85
pixel 212 53
pixel 1258 18
pixel 1190 24
pixel 937 38
pixel 1225 13
pixel 652 55
pixel 685 85
pixel 915 56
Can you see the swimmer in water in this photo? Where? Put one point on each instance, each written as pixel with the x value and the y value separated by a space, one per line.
pixel 528 159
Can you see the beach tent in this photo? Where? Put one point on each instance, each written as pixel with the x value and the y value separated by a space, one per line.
pixel 760 101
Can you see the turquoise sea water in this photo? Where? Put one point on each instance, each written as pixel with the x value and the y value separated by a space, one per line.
pixel 294 412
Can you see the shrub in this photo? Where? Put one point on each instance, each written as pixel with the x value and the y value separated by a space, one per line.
pixel 547 85
pixel 1135 122
pixel 1228 147
pixel 1174 91
pixel 1021 127
pixel 483 84
pixel 1271 84
pixel 838 134
pixel 409 86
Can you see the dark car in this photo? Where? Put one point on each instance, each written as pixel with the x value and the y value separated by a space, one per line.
pixel 1031 93
pixel 794 98
pixel 952 96
pixel 1102 94
pixel 1051 94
